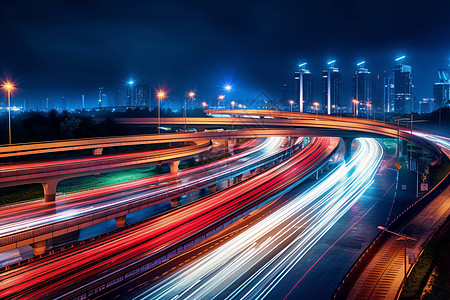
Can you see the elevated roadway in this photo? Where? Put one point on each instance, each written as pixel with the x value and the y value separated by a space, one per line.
pixel 49 173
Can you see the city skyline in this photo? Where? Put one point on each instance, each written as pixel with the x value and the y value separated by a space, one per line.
pixel 72 50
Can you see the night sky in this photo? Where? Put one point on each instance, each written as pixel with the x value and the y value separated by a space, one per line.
pixel 55 48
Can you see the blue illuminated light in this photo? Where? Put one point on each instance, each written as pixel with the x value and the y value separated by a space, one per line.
pixel 400 58
pixel 302 64
pixel 130 82
pixel 331 62
pixel 361 63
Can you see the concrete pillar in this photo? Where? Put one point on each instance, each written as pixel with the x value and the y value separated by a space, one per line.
pixel 174 167
pixel 97 151
pixel 39 247
pixel 50 189
pixel 174 202
pixel 347 148
pixel 238 178
pixel 120 221
pixel 200 158
pixel 212 188
pixel 226 145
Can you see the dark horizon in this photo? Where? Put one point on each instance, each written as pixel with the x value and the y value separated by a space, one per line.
pixel 66 49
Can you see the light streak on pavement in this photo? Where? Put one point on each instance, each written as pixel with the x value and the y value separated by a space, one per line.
pixel 27 216
pixel 252 263
pixel 81 270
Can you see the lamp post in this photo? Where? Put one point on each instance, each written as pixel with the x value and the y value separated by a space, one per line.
pixel 191 95
pixel 204 104
pixel 161 94
pixel 232 116
pixel 9 86
pixel 355 102
pixel 220 98
pixel 290 137
pixel 404 237
pixel 316 105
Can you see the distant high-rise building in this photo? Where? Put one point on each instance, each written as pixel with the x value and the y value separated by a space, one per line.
pixel 120 97
pixel 129 95
pixel 426 105
pixel 141 95
pixel 331 90
pixel 403 100
pixel 378 94
pixel 303 90
pixel 285 94
pixel 388 93
pixel 441 89
pixel 362 89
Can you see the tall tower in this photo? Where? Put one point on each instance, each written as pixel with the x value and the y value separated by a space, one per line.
pixel 388 92
pixel 303 88
pixel 331 88
pixel 441 89
pixel 100 97
pixel 403 100
pixel 362 89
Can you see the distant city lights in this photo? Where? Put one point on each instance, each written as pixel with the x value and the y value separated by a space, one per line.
pixel 228 87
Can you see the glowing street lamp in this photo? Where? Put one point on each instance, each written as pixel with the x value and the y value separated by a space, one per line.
pixel 220 98
pixel 240 105
pixel 204 104
pixel 355 102
pixel 9 86
pixel 232 117
pixel 191 95
pixel 316 105
pixel 228 87
pixel 161 95
pixel 290 137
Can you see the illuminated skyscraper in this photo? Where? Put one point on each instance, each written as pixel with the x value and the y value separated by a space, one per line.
pixel 403 100
pixel 331 90
pixel 441 90
pixel 388 92
pixel 141 95
pixel 362 89
pixel 120 97
pixel 303 92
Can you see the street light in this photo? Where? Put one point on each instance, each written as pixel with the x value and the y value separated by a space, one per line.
pixel 355 102
pixel 161 95
pixel 220 98
pixel 191 95
pixel 290 137
pixel 232 117
pixel 404 238
pixel 316 105
pixel 9 86
pixel 228 87
pixel 240 105
pixel 204 104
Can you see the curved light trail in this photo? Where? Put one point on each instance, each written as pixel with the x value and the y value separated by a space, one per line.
pixel 27 216
pixel 252 263
pixel 79 270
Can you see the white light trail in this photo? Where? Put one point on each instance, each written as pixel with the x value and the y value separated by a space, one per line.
pixel 252 263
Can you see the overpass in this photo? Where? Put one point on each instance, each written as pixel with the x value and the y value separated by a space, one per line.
pixel 50 173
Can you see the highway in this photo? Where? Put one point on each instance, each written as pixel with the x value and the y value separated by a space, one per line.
pixel 17 219
pixel 253 262
pixel 101 262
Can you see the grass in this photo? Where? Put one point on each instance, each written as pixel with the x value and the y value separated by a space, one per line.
pixel 35 191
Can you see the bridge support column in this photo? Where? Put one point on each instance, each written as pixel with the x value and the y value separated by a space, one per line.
pixel 39 247
pixel 200 157
pixel 236 143
pixel 50 190
pixel 120 221
pixel 174 167
pixel 226 145
pixel 238 178
pixel 212 188
pixel 174 202
pixel 97 151
pixel 347 148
